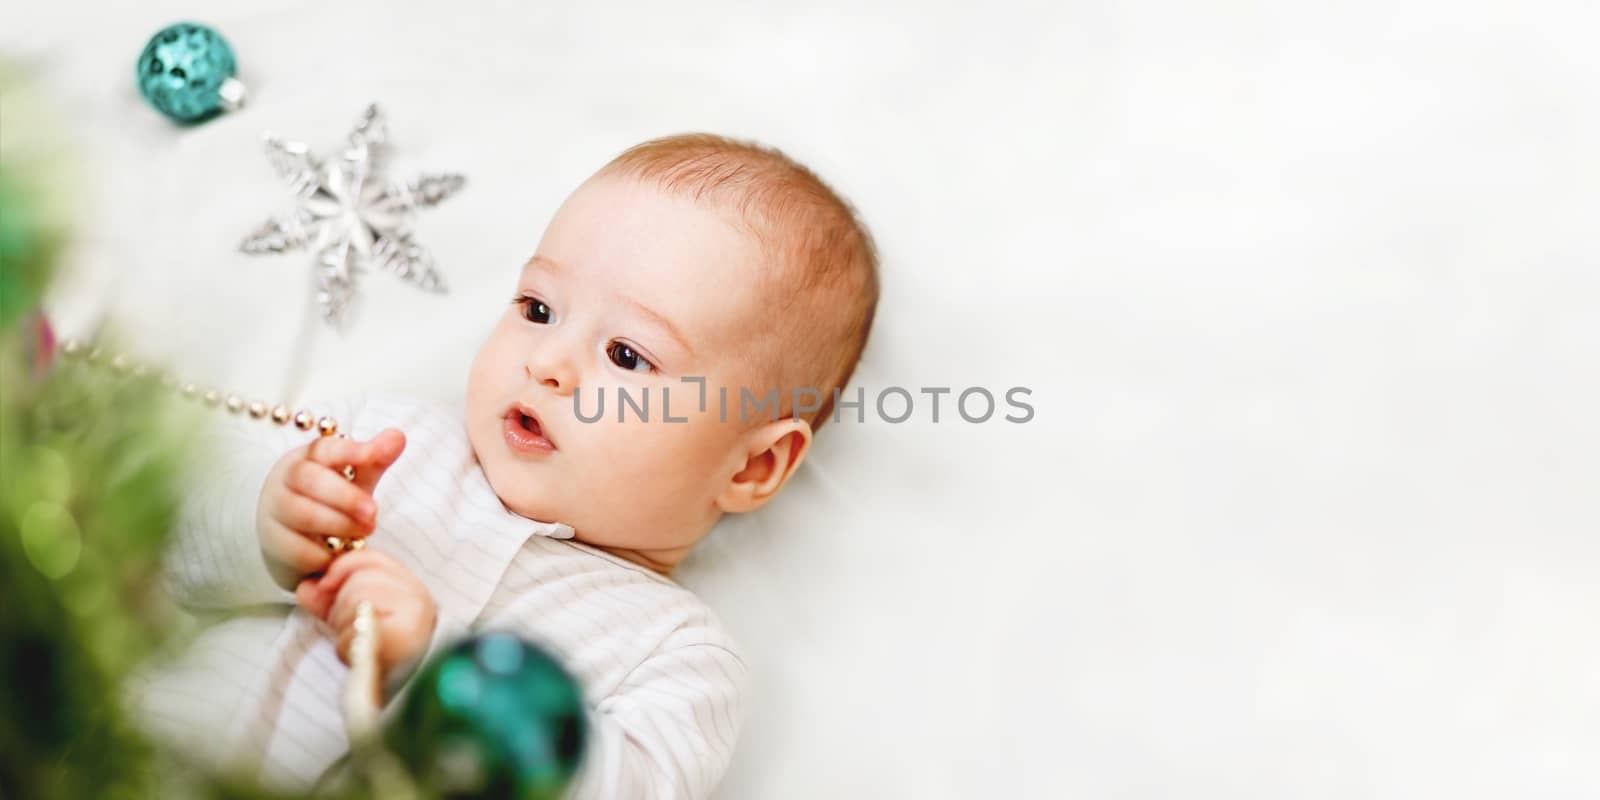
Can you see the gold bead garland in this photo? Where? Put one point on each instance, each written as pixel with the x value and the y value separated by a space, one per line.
pixel 364 682
pixel 234 404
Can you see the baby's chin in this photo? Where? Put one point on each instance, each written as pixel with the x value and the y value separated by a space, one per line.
pixel 517 493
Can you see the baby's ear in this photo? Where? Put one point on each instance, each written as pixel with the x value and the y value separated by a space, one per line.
pixel 772 451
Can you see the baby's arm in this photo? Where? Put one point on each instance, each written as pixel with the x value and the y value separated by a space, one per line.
pixel 213 558
pixel 669 729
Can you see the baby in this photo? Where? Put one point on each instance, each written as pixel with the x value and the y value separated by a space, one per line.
pixel 687 266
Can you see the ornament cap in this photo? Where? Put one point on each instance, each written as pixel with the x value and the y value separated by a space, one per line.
pixel 233 94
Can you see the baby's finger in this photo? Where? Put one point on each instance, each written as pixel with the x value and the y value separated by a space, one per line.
pixel 383 449
pixel 311 598
pixel 349 564
pixel 309 517
pixel 298 554
pixel 335 452
pixel 379 455
pixel 369 585
pixel 322 484
pixel 323 597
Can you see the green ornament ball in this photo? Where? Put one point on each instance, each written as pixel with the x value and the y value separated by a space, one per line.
pixel 186 71
pixel 492 716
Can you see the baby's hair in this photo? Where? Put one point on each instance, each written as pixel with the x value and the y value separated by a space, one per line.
pixel 824 257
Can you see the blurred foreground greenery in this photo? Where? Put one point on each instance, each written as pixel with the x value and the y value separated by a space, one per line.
pixel 93 460
pixel 90 468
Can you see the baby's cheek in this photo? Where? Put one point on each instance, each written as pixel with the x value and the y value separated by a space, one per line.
pixel 494 357
pixel 676 457
pixel 625 456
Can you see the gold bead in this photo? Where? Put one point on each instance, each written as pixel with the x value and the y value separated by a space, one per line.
pixel 303 420
pixel 334 543
pixel 258 410
pixel 355 544
pixel 235 405
pixel 349 472
pixel 189 390
pixel 71 347
pixel 280 414
pixel 327 427
pixel 211 397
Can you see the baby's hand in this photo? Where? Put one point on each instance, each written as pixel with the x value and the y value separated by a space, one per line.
pixel 306 497
pixel 402 606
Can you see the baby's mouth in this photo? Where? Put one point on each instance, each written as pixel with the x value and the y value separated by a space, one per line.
pixel 526 428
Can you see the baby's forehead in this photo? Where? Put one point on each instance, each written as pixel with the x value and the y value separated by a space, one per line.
pixel 713 265
pixel 616 225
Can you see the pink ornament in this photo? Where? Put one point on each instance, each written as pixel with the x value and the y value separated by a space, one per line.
pixel 44 344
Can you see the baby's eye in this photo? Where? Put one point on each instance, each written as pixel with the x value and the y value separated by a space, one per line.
pixel 533 309
pixel 624 356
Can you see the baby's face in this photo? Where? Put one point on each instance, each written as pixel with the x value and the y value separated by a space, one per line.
pixel 631 289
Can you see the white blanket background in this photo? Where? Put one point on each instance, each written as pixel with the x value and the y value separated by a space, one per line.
pixel 1305 292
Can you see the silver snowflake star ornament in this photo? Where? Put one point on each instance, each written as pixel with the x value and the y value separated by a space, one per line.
pixel 350 216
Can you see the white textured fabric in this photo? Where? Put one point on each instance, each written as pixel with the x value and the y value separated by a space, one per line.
pixel 662 679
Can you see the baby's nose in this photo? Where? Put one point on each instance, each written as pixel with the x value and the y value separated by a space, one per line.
pixel 554 370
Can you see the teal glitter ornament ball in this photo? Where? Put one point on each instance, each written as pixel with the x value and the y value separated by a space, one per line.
pixel 187 72
pixel 492 716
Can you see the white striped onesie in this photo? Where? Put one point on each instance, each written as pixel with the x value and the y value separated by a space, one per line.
pixel 260 685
